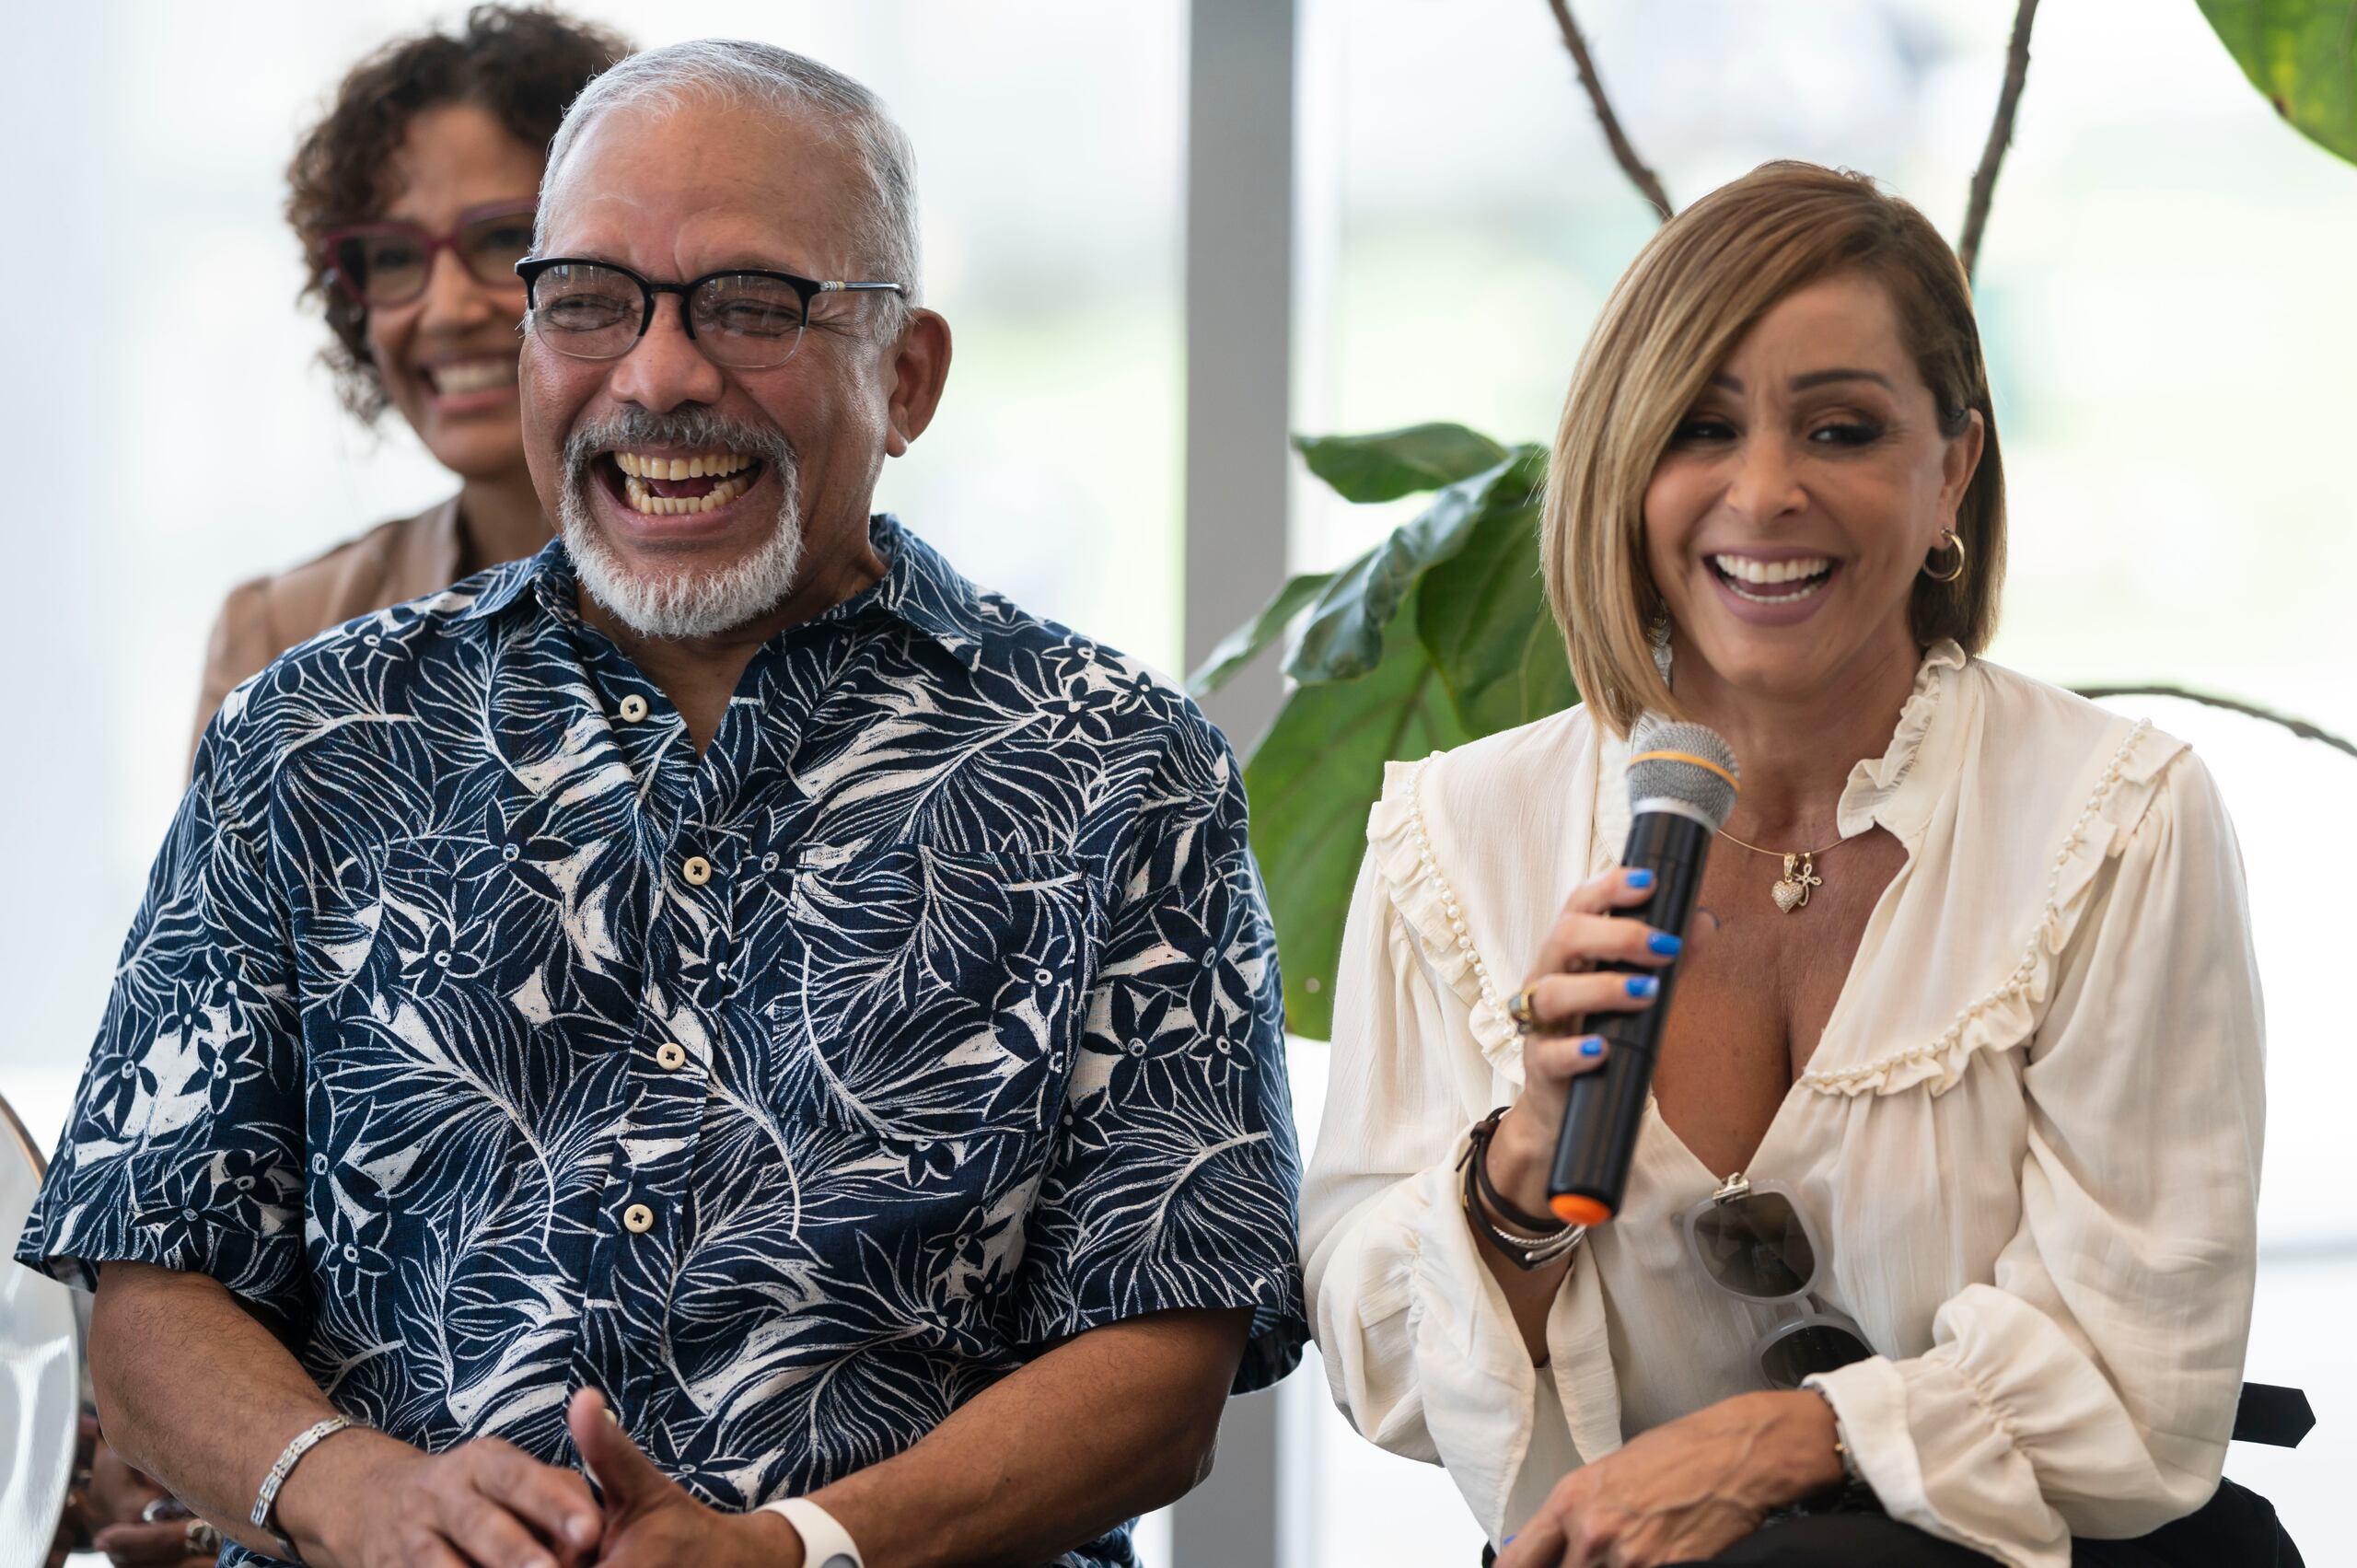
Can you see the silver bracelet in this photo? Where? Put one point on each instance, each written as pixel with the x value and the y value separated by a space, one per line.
pixel 267 1499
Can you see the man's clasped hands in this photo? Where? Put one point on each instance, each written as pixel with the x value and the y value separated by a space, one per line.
pixel 488 1504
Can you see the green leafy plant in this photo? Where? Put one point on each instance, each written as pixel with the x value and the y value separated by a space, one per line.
pixel 2302 54
pixel 1441 635
pixel 1435 636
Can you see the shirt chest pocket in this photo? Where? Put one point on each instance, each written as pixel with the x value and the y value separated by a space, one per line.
pixel 927 997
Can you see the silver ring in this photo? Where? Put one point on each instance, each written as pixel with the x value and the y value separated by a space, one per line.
pixel 200 1539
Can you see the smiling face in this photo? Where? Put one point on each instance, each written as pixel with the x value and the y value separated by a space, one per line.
pixel 694 496
pixel 1799 497
pixel 447 358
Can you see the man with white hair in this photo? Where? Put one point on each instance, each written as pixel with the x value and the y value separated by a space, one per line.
pixel 725 1004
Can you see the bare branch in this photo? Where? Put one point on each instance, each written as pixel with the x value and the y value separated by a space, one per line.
pixel 2001 136
pixel 1648 184
pixel 2299 727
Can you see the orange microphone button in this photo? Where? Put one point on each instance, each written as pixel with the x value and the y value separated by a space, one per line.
pixel 1573 1209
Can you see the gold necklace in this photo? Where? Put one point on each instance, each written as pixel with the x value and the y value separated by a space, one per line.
pixel 1791 891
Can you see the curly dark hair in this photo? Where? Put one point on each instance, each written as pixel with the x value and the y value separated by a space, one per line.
pixel 523 64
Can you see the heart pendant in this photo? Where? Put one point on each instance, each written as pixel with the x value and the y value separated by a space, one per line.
pixel 1800 875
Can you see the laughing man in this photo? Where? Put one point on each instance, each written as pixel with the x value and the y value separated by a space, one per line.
pixel 724 1003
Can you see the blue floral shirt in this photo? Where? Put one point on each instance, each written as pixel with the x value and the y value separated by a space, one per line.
pixel 494 1043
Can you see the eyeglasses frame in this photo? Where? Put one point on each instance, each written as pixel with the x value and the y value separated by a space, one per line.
pixel 434 245
pixel 1812 1313
pixel 530 268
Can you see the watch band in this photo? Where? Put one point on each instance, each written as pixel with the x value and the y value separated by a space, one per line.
pixel 825 1542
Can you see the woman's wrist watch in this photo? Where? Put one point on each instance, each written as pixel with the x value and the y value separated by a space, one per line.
pixel 1548 1243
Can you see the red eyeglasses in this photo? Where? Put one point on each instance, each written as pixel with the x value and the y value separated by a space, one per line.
pixel 387 263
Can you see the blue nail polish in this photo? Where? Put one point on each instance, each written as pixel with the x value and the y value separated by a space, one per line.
pixel 1641 879
pixel 1662 942
pixel 1592 1046
pixel 1643 985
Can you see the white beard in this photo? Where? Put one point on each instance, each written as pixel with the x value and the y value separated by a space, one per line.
pixel 688 602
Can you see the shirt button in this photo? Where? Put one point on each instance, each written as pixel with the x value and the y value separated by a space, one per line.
pixel 633 708
pixel 639 1218
pixel 697 870
pixel 670 1055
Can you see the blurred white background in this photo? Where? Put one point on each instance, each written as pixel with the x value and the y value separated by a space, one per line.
pixel 2164 292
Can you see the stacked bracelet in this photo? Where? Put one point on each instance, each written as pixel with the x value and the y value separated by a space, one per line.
pixel 1482 1199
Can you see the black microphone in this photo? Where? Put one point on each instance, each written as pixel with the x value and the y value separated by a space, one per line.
pixel 1682 784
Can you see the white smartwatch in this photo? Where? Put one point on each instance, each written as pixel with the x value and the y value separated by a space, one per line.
pixel 825 1543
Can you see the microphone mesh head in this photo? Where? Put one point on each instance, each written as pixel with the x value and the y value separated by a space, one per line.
pixel 1653 776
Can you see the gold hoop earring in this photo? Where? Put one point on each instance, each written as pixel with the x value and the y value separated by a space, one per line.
pixel 1949 536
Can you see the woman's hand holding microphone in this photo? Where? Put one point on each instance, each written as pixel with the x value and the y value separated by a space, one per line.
pixel 1564 986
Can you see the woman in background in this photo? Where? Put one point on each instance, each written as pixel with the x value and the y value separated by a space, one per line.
pixel 413 198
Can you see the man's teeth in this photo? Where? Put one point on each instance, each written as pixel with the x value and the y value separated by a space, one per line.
pixel 703 465
pixel 644 500
pixel 475 375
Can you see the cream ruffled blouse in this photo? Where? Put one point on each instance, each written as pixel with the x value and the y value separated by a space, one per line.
pixel 2029 1135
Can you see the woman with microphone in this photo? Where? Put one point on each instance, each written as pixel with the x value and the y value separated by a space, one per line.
pixel 1937 1247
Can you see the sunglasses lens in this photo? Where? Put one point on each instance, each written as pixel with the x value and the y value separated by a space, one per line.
pixel 1808 1350
pixel 1756 1247
pixel 492 245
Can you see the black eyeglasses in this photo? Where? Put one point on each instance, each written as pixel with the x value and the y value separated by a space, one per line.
pixel 746 319
pixel 1753 1241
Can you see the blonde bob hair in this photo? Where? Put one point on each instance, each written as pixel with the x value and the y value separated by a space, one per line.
pixel 1672 320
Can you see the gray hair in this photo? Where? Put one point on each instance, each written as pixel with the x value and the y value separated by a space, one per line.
pixel 762 76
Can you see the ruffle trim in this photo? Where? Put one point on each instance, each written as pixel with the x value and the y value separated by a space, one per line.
pixel 1874 780
pixel 2010 1012
pixel 1401 837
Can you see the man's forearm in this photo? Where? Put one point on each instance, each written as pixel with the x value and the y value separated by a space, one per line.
pixel 1117 1421
pixel 194 1390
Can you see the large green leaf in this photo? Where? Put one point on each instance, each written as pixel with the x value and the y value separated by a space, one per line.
pixel 1243 645
pixel 1312 780
pixel 1483 618
pixel 1399 462
pixel 1344 636
pixel 2302 54
pixel 1464 646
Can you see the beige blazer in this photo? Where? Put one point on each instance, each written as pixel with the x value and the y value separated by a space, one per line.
pixel 262 618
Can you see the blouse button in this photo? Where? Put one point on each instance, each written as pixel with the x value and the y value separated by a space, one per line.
pixel 669 1056
pixel 639 1218
pixel 633 708
pixel 697 870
